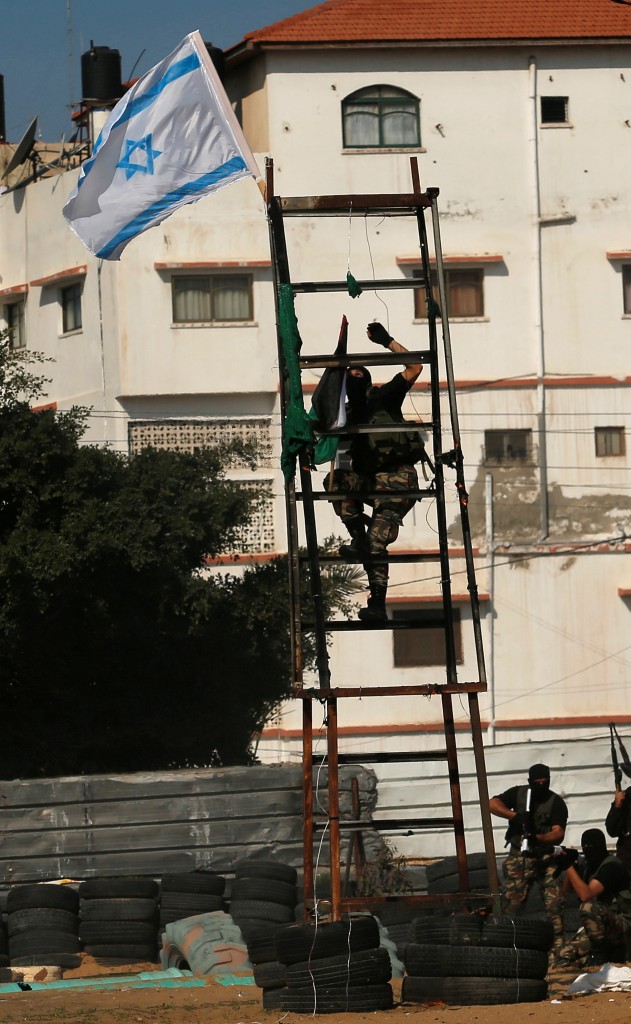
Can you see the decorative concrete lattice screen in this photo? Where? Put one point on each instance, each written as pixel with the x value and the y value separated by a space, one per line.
pixel 187 435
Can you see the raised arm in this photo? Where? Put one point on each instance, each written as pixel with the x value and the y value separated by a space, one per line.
pixel 379 335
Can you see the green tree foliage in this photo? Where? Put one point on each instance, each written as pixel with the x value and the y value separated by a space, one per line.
pixel 117 652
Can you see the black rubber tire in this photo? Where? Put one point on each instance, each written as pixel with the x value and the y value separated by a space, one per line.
pixel 271 974
pixel 366 967
pixel 125 887
pixel 455 930
pixel 177 905
pixel 302 942
pixel 261 940
pixel 208 882
pixel 448 866
pixel 99 933
pixel 4 960
pixel 34 897
pixel 48 958
pixel 119 910
pixel 42 920
pixel 29 943
pixel 260 910
pixel 272 869
pixel 133 953
pixel 456 991
pixel 472 961
pixel 520 932
pixel 4 942
pixel 272 998
pixel 265 889
pixel 363 999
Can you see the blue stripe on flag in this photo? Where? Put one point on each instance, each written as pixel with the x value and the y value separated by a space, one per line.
pixel 139 223
pixel 140 103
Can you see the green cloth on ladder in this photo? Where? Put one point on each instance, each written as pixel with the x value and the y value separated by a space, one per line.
pixel 297 428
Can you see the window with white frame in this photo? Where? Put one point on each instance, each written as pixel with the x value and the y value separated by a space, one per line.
pixel 70 301
pixel 424 645
pixel 554 109
pixel 381 117
pixel 14 319
pixel 212 298
pixel 504 447
pixel 609 441
pixel 464 290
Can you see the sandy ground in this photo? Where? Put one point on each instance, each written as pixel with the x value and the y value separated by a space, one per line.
pixel 217 1004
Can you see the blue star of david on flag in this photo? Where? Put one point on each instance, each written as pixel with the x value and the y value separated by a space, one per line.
pixel 140 146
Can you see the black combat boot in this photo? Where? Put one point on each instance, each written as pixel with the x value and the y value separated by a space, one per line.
pixel 358 550
pixel 375 610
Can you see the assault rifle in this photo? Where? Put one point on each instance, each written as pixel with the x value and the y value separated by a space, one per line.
pixel 527 826
pixel 626 763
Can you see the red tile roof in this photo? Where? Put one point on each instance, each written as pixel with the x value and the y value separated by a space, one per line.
pixel 362 21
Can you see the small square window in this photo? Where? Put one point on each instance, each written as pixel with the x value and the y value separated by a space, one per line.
pixel 71 307
pixel 554 110
pixel 609 441
pixel 503 447
pixel 208 298
pixel 14 317
pixel 425 645
pixel 464 289
pixel 626 288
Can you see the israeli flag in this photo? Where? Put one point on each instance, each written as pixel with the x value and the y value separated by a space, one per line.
pixel 170 140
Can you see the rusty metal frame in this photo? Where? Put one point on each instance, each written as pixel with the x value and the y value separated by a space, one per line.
pixel 415 204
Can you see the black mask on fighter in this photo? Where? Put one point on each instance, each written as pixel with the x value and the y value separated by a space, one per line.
pixel 539 782
pixel 357 386
pixel 594 844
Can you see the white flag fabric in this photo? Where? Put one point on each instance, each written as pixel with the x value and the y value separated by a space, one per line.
pixel 170 140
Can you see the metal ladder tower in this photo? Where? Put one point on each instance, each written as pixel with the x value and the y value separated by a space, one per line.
pixel 415 204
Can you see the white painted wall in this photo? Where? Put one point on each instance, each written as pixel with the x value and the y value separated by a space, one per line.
pixel 555 629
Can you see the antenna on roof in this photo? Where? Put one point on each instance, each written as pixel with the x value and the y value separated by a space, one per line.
pixel 23 150
pixel 138 59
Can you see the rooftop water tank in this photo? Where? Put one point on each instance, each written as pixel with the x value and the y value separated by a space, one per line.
pixel 101 74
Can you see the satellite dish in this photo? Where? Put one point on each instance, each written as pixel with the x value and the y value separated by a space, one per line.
pixel 24 148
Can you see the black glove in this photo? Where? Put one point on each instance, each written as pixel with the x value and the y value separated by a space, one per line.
pixel 566 859
pixel 378 334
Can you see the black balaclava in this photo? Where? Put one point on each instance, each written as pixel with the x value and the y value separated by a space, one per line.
pixel 594 845
pixel 356 387
pixel 539 789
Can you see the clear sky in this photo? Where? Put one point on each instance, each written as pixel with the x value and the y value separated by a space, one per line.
pixel 41 42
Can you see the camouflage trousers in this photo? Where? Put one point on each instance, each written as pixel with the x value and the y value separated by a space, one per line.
pixel 604 932
pixel 520 875
pixel 388 512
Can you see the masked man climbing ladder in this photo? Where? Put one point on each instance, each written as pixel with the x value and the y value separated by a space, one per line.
pixel 378 462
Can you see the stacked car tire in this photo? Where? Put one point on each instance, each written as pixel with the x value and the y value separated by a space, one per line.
pixel 263 896
pixel 119 919
pixel 329 967
pixel 42 925
pixel 468 959
pixel 190 893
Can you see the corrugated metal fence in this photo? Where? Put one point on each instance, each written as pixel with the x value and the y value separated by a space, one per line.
pixel 158 823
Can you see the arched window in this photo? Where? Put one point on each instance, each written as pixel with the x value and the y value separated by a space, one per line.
pixel 380 117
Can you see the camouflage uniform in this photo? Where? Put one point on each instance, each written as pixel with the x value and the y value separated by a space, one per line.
pixel 388 512
pixel 604 931
pixel 521 872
